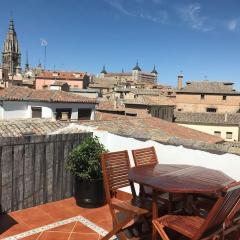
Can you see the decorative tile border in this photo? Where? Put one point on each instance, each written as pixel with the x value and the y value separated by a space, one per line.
pixel 80 219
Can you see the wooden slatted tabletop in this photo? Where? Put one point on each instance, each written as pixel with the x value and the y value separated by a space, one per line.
pixel 180 178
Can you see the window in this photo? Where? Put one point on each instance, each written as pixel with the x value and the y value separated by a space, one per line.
pixel 211 110
pixel 217 133
pixel 229 135
pixel 36 112
pixel 224 98
pixel 179 109
pixel 131 114
pixel 63 113
pixel 84 114
pixel 202 96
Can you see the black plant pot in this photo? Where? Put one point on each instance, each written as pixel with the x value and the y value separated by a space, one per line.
pixel 89 194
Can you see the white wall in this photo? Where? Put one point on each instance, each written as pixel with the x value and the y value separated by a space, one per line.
pixel 211 129
pixel 12 110
pixel 167 154
pixel 21 109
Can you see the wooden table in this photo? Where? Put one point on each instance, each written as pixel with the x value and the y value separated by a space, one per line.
pixel 178 179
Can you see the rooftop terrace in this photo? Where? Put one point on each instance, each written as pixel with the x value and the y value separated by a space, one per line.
pixel 63 219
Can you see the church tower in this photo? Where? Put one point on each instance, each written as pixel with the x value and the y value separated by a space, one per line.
pixel 136 73
pixel 11 56
pixel 155 73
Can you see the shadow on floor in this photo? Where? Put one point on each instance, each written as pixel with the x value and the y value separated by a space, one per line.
pixel 6 222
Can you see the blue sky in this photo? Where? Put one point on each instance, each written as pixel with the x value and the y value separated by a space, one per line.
pixel 201 38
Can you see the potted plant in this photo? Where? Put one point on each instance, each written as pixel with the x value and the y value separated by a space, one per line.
pixel 85 165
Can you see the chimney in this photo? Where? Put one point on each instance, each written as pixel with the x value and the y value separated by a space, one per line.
pixel 115 103
pixel 226 117
pixel 180 81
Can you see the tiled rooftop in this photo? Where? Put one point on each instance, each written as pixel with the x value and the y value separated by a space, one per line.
pixel 154 129
pixel 109 116
pixel 15 128
pixel 121 74
pixel 208 87
pixel 208 118
pixel 26 94
pixel 62 75
pixel 110 105
pixel 142 128
pixel 151 101
pixel 143 91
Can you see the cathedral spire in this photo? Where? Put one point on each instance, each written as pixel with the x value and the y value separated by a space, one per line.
pixel 11 25
pixel 11 56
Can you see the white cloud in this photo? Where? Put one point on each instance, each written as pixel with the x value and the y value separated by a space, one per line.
pixel 159 16
pixel 232 24
pixel 191 14
pixel 158 11
pixel 119 6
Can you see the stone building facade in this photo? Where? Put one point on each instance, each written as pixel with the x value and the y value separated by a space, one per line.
pixel 45 79
pixel 206 96
pixel 136 76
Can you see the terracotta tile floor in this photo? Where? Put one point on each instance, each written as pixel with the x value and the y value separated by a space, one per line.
pixel 61 220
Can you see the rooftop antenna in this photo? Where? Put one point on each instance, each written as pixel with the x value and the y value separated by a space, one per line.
pixel 205 77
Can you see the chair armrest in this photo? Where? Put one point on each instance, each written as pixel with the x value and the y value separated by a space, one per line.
pixel 230 218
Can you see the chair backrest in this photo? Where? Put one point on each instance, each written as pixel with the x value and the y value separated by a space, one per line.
pixel 115 167
pixel 144 156
pixel 222 209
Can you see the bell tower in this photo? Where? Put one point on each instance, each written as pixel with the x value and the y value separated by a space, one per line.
pixel 11 56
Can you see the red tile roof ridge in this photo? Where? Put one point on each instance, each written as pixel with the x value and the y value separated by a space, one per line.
pixel 17 93
pixel 156 128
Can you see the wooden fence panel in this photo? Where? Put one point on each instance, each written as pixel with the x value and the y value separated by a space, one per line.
pixel 32 169
pixel 7 181
pixel 18 177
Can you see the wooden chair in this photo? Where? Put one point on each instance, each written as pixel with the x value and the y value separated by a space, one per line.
pixel 146 156
pixel 115 167
pixel 220 220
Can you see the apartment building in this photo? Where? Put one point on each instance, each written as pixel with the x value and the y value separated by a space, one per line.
pixel 207 96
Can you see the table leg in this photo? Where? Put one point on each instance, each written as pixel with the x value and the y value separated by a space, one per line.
pixel 154 213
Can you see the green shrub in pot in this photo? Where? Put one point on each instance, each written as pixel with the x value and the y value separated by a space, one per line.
pixel 84 163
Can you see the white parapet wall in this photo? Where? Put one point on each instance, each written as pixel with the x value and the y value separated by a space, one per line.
pixel 168 154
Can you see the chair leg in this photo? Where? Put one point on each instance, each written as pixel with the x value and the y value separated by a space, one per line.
pixel 159 227
pixel 118 228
